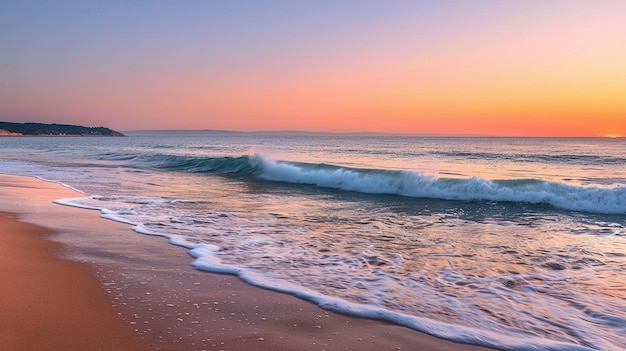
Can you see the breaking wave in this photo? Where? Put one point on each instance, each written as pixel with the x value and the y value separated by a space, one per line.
pixel 609 200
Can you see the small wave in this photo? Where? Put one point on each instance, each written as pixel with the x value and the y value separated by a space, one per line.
pixel 218 165
pixel 234 166
pixel 544 158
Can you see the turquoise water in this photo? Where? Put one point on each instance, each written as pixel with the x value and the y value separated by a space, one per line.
pixel 508 242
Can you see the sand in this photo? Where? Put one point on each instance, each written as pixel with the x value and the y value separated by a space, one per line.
pixel 127 291
pixel 52 304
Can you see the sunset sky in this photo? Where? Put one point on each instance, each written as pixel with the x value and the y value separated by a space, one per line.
pixel 537 68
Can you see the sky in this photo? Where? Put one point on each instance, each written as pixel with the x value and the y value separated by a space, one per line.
pixel 515 68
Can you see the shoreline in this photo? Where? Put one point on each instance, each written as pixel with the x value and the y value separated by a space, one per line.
pixel 164 300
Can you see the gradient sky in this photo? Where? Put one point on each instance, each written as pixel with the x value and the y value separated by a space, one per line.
pixel 538 68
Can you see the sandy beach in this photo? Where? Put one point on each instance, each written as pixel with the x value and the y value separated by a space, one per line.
pixel 72 280
pixel 53 304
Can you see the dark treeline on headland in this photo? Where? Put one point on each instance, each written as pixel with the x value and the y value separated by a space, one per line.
pixel 9 128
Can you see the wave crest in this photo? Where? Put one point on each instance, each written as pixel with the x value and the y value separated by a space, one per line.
pixel 400 182
pixel 414 184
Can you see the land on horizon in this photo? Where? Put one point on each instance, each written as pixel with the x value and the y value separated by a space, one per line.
pixel 216 132
pixel 305 133
pixel 58 129
pixel 53 129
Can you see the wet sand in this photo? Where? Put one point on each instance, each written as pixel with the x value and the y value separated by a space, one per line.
pixel 148 296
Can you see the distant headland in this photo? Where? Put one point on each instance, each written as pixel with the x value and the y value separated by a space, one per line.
pixel 43 129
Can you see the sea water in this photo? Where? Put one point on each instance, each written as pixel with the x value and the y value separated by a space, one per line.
pixel 516 243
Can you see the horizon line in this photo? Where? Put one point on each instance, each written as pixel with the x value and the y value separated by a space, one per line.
pixel 295 132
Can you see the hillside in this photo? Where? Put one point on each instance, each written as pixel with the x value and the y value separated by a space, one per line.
pixel 41 129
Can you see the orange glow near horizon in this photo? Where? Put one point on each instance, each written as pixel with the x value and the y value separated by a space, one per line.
pixel 534 70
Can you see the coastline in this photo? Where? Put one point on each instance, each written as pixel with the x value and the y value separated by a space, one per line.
pixel 55 136
pixel 166 302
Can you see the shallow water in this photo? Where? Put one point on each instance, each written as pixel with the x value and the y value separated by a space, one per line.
pixel 507 242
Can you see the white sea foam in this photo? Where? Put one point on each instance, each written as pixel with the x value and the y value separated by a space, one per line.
pixel 210 258
pixel 73 202
pixel 207 260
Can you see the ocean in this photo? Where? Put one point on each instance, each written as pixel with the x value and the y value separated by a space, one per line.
pixel 514 243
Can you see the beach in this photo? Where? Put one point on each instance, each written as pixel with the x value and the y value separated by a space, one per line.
pixel 53 304
pixel 77 279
